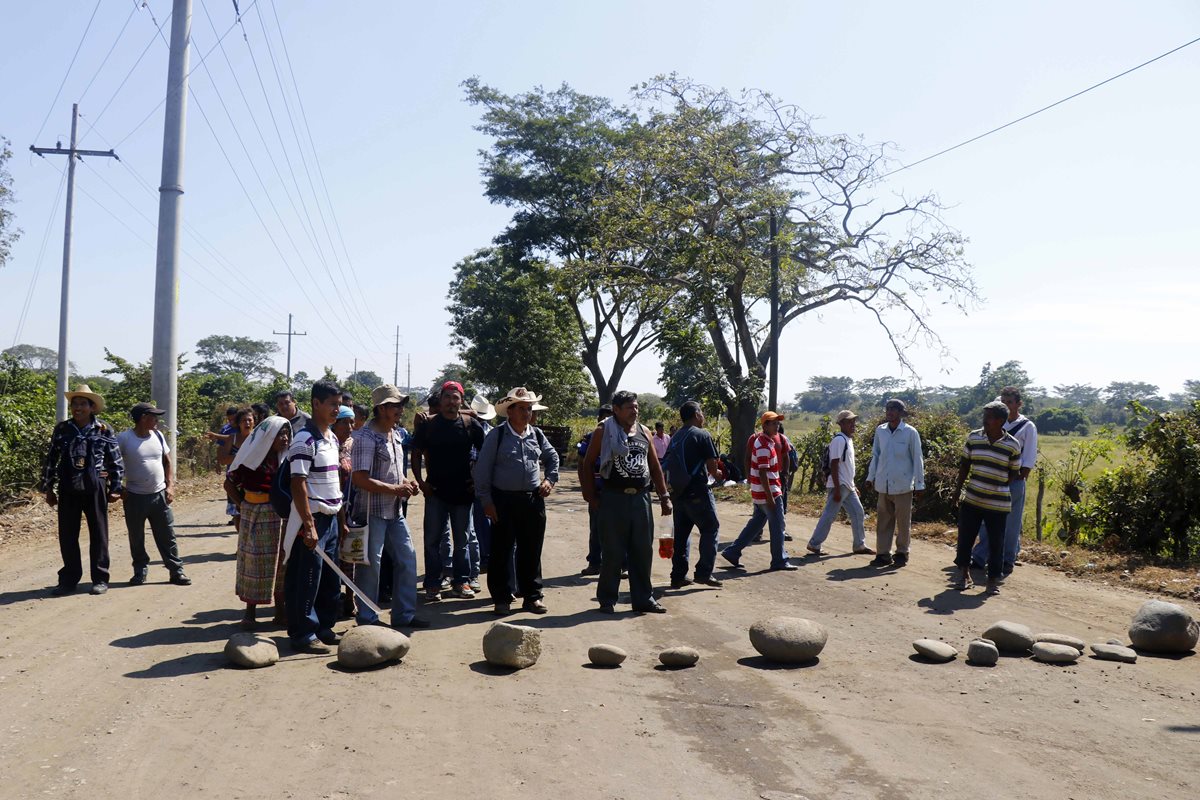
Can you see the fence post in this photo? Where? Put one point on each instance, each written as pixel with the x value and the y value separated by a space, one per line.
pixel 1041 494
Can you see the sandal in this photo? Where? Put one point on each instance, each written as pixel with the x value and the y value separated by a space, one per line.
pixel 963 581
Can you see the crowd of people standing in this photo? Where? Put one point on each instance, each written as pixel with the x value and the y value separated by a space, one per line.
pixel 298 483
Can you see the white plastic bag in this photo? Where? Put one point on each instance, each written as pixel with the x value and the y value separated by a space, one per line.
pixel 354 546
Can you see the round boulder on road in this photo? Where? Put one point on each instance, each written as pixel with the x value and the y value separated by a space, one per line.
pixel 1160 627
pixel 1055 653
pixel 606 655
pixel 788 640
pixel 935 650
pixel 371 645
pixel 1010 637
pixel 679 657
pixel 983 653
pixel 251 651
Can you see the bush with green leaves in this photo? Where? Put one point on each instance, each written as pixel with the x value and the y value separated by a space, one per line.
pixel 27 404
pixel 1151 504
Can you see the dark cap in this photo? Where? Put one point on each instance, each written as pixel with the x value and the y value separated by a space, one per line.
pixel 145 408
pixel 897 404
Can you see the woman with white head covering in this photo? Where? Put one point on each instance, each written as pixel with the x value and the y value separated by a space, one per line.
pixel 248 485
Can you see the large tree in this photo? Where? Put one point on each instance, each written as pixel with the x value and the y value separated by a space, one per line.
pixel 219 354
pixel 9 232
pixel 549 161
pixel 696 190
pixel 514 330
pixel 38 359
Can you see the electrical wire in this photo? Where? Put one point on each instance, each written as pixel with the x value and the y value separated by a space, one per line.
pixel 63 82
pixel 1080 93
pixel 37 267
pixel 104 61
pixel 93 121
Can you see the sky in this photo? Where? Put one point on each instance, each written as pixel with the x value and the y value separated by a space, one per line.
pixel 1081 220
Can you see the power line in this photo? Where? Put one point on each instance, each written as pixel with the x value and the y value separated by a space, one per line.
pixel 104 61
pixel 37 267
pixel 317 160
pixel 94 121
pixel 63 83
pixel 1040 110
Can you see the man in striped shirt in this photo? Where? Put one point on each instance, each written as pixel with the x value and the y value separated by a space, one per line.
pixel 991 460
pixel 766 490
pixel 310 586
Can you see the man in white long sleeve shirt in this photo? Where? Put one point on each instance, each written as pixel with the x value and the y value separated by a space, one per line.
pixel 1024 431
pixel 897 473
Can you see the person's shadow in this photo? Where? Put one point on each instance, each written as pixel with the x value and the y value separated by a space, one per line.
pixel 948 601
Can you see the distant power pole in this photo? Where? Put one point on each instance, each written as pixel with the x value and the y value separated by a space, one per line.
pixel 408 378
pixel 289 333
pixel 396 368
pixel 71 153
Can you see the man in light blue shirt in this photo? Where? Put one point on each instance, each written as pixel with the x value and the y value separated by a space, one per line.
pixel 897 473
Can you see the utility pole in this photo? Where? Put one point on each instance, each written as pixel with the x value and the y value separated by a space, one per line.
pixel 71 153
pixel 354 375
pixel 774 393
pixel 164 358
pixel 396 368
pixel 289 333
pixel 408 378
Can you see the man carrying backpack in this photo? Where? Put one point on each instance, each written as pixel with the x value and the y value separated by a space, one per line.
pixel 691 457
pixel 837 464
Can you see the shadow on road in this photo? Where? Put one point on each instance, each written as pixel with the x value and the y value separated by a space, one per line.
pixel 20 596
pixel 484 668
pixel 178 635
pixel 760 662
pixel 950 600
pixel 201 558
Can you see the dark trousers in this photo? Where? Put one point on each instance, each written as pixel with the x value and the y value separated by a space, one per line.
pixel 311 588
pixel 626 532
pixel 140 508
pixel 970 517
pixel 593 555
pixel 520 522
pixel 695 512
pixel 72 507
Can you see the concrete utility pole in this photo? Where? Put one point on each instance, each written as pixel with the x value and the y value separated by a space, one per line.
pixel 289 333
pixel 164 358
pixel 774 394
pixel 71 153
pixel 408 378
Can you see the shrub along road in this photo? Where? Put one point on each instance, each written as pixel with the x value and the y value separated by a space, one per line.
pixel 128 694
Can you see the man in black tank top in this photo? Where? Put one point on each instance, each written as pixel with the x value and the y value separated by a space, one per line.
pixel 628 465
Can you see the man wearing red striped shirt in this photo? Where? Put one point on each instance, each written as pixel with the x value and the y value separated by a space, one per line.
pixel 766 490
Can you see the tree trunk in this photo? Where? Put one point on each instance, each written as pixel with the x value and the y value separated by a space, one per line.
pixel 742 413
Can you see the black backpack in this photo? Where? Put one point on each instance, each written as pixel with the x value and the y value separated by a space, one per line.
pixel 823 465
pixel 680 477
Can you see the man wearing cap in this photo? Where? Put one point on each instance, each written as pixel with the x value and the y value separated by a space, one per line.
pixel 149 492
pixel 897 473
pixel 509 483
pixel 85 464
pixel 378 476
pixel 840 490
pixel 766 492
pixel 446 442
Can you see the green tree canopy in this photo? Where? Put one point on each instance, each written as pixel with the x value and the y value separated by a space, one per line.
pixel 251 357
pixel 515 331
pixel 9 232
pixel 38 359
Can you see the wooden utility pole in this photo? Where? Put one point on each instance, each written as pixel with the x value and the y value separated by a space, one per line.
pixel 289 333
pixel 64 303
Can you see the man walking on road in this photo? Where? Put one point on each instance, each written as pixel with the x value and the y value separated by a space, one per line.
pixel 84 462
pixel 693 457
pixel 149 492
pixel 897 473
pixel 629 466
pixel 841 492
pixel 1024 431
pixel 766 492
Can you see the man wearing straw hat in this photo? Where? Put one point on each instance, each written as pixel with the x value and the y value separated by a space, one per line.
pixel 509 484
pixel 85 464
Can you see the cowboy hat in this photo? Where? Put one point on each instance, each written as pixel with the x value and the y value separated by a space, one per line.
pixel 482 408
pixel 382 395
pixel 520 394
pixel 83 390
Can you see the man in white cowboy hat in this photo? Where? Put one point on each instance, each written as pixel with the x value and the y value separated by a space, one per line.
pixel 149 491
pixel 85 464
pixel 510 485
pixel 840 491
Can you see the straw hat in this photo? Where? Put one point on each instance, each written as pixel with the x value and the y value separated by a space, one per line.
pixel 482 408
pixel 520 394
pixel 382 395
pixel 83 390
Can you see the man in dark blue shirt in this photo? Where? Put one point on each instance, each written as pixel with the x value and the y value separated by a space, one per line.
pixel 85 464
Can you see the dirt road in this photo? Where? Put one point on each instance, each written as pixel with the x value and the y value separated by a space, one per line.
pixel 128 695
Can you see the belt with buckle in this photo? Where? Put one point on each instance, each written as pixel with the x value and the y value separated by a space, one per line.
pixel 627 490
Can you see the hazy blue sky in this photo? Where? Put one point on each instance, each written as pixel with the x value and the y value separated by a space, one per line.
pixel 1081 221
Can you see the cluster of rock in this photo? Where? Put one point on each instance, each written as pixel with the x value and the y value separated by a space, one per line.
pixel 1158 627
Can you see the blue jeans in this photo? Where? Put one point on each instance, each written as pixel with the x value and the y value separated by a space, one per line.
pixel 473 552
pixel 395 536
pixel 699 512
pixel 1012 530
pixel 854 509
pixel 439 514
pixel 311 590
pixel 762 517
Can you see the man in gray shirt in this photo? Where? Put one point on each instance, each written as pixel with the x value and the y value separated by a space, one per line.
pixel 509 484
pixel 149 491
